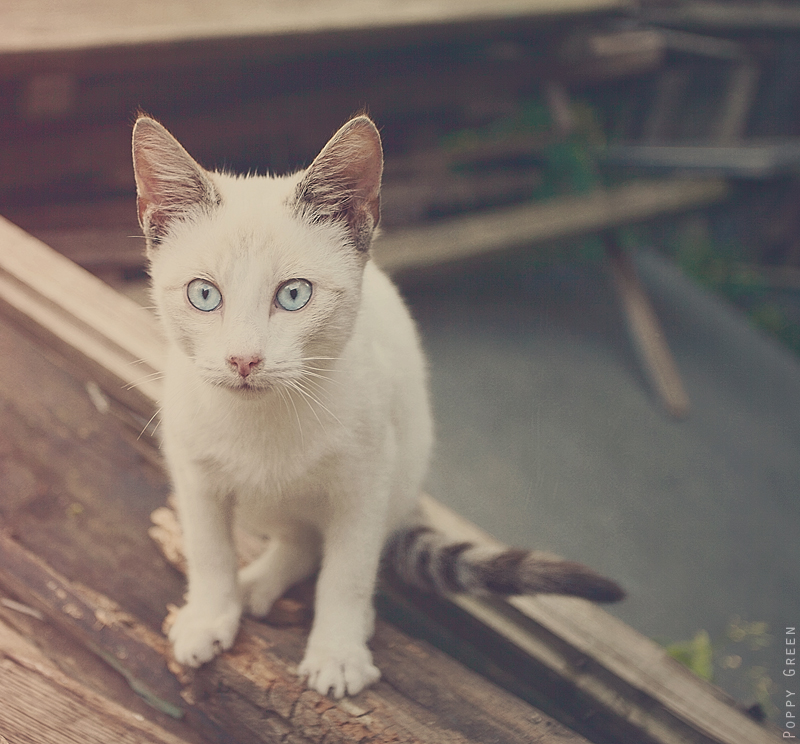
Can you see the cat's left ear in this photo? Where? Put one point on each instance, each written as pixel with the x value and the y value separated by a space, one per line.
pixel 344 181
pixel 170 185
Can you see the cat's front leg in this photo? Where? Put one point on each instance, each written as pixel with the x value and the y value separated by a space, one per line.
pixel 207 624
pixel 337 659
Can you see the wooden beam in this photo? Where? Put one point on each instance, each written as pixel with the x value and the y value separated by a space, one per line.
pixel 510 228
pixel 252 693
pixel 645 330
pixel 722 16
pixel 597 657
pixel 85 145
pixel 760 160
pixel 132 649
pixel 78 25
pixel 608 661
pixel 476 236
pixel 113 340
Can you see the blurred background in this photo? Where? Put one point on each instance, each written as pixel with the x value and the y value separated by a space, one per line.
pixel 614 328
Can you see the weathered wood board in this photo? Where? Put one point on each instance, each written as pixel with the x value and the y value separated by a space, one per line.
pixel 42 704
pixel 252 112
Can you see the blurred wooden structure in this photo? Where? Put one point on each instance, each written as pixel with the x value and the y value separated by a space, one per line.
pixel 265 93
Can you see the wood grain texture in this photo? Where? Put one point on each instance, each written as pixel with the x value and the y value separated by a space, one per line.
pixel 253 694
pixel 80 316
pixel 60 496
pixel 42 705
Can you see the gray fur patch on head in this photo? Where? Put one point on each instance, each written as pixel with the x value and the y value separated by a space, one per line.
pixel 170 185
pixel 343 183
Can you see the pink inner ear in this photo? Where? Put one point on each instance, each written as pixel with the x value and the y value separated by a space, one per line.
pixel 369 169
pixel 345 179
pixel 144 183
pixel 168 181
pixel 141 208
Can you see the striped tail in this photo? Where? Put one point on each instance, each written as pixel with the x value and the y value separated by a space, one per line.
pixel 424 558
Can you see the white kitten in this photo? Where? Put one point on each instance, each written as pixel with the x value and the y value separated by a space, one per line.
pixel 296 403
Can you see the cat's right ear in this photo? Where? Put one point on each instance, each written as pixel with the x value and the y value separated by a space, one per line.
pixel 169 184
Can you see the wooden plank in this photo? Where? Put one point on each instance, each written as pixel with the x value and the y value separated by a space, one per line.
pixel 253 693
pixel 43 705
pixel 79 664
pixel 85 144
pixel 76 501
pixel 608 660
pixel 766 159
pixel 737 104
pixel 723 16
pixel 112 338
pixel 515 227
pixel 133 650
pixel 589 650
pixel 32 26
pixel 645 330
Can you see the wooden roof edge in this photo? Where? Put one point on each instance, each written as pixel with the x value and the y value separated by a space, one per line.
pixel 113 45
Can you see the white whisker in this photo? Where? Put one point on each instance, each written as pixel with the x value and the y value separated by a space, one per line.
pixel 318 389
pixel 150 421
pixel 294 385
pixel 284 394
pixel 316 400
pixel 310 375
pixel 153 376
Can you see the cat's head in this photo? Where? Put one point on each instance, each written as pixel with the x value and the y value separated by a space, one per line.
pixel 257 279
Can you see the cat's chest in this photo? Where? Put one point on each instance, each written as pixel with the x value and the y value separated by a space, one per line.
pixel 249 445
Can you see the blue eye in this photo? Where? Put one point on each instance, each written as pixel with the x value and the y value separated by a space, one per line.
pixel 203 295
pixel 294 294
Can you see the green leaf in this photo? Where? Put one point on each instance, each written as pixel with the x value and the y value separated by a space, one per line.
pixel 696 654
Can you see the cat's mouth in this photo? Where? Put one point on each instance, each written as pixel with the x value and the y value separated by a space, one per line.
pixel 261 383
pixel 243 386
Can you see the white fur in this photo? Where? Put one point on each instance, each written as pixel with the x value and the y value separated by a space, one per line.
pixel 325 451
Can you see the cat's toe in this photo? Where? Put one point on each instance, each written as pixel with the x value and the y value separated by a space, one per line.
pixel 198 636
pixel 340 672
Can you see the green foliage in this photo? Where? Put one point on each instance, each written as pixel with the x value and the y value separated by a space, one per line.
pixel 709 660
pixel 570 165
pixel 719 268
pixel 770 317
pixel 569 162
pixel 695 654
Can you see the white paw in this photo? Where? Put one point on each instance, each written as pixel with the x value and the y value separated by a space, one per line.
pixel 340 671
pixel 198 634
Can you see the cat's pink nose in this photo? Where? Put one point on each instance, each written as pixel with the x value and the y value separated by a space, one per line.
pixel 244 365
